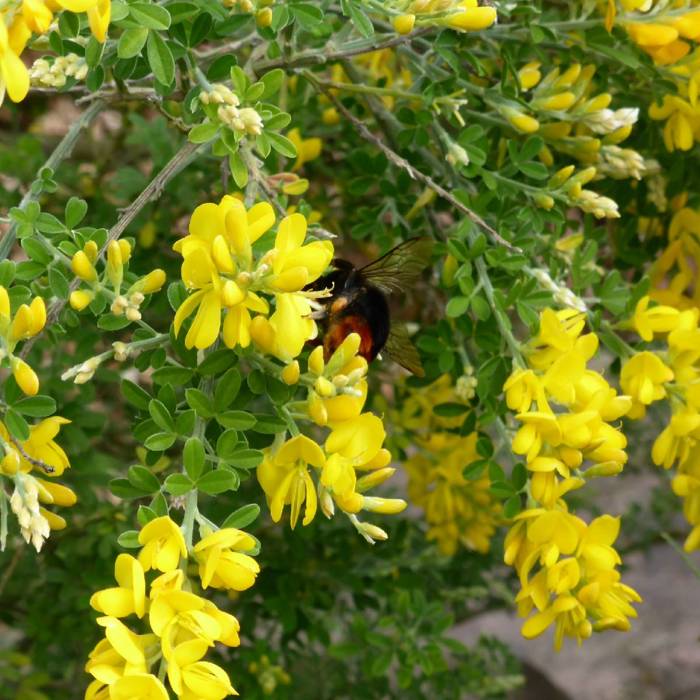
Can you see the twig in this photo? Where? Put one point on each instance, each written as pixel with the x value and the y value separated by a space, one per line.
pixel 410 169
pixel 262 182
pixel 319 58
pixel 153 190
pixel 60 153
pixel 46 468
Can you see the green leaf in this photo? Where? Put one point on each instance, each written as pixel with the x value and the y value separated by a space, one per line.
pixel 245 458
pixel 202 133
pixel 362 22
pixel 519 476
pixel 254 92
pixel 16 425
pixel 129 539
pixel 237 420
pixel 200 402
pixel 145 514
pixel 141 478
pixel 242 517
pixel 185 421
pixel 473 471
pixel 307 15
pixel 159 441
pixel 227 389
pixel 134 394
pixel 160 58
pixel 161 415
pixel 227 443
pixel 131 42
pixel 178 484
pixel 533 169
pixel 272 82
pixel 512 506
pixel 217 481
pixel 457 306
pixel 76 209
pixel 177 376
pixel 36 406
pixel 450 409
pixel 150 15
pixel 269 425
pixel 194 457
pixel 282 144
pixel 7 272
pixel 110 322
pixel 239 170
pixel 58 283
pixel 93 51
pixel 123 488
pixel 217 362
pixel 239 79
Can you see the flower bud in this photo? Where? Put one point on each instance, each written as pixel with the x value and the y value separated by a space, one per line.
pixel 80 298
pixel 153 281
pixel 388 506
pixel 316 363
pixel 264 17
pixel 291 373
pixel 403 24
pixel 25 376
pixel 82 267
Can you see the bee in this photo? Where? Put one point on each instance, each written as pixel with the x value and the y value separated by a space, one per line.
pixel 358 303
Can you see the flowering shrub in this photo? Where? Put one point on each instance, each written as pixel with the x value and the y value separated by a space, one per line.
pixel 206 435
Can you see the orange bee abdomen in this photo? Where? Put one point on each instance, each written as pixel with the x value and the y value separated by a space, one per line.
pixel 341 329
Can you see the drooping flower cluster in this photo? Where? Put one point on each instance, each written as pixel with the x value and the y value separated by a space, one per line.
pixel 671 373
pixel 183 625
pixel 337 390
pixel 55 73
pixel 673 275
pixel 39 453
pixel 19 19
pixel 25 323
pixel 567 568
pixel 459 512
pixel 461 15
pixel 224 274
pixel 125 303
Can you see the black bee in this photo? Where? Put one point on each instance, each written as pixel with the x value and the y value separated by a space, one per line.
pixel 358 302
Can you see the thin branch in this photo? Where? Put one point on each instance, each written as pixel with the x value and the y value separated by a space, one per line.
pixel 153 190
pixel 60 153
pixel 402 163
pixel 316 58
pixel 46 468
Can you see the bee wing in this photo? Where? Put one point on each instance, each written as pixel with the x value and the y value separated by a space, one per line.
pixel 401 350
pixel 400 267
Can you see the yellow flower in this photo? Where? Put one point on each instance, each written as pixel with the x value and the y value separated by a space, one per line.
pixel 181 617
pixel 14 76
pixel 130 596
pixel 203 680
pixel 643 377
pixel 121 653
pixel 295 265
pixel 42 446
pixel 285 479
pixel 657 319
pixel 471 17
pixel 98 13
pixel 307 149
pixel 222 563
pixel 163 545
pixel 138 686
pixel 25 376
pixel 676 439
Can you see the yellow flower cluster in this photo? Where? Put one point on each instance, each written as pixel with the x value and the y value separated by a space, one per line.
pixel 567 569
pixel 336 395
pixel 671 373
pixel 19 19
pixel 183 625
pixel 223 273
pixel 27 321
pixel 674 273
pixel 41 453
pixel 461 15
pixel 663 38
pixel 458 511
pixel 575 121
pixel 670 37
pixel 118 255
